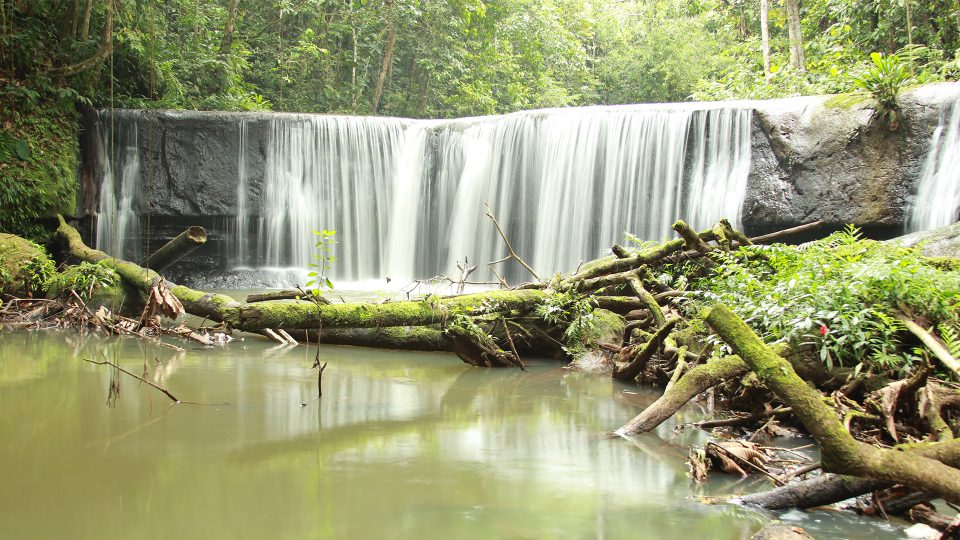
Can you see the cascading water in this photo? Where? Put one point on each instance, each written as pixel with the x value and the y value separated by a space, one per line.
pixel 118 157
pixel 328 172
pixel 937 202
pixel 407 197
pixel 242 228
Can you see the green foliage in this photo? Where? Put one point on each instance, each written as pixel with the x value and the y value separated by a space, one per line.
pixel 951 337
pixel 25 268
pixel 38 272
pixel 38 161
pixel 576 312
pixel 85 279
pixel 451 58
pixel 884 80
pixel 839 296
pixel 323 261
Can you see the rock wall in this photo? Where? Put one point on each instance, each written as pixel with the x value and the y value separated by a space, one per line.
pixel 827 158
pixel 813 158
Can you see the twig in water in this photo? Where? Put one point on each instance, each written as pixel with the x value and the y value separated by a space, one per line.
pixel 320 380
pixel 513 348
pixel 166 392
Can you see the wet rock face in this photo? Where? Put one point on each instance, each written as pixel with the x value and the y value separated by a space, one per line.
pixel 813 158
pixel 831 158
pixel 942 242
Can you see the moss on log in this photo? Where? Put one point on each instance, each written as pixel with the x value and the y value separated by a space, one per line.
pixel 412 338
pixel 840 452
pixel 305 315
pixel 23 266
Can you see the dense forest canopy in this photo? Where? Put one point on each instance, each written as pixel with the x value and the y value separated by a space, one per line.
pixel 444 58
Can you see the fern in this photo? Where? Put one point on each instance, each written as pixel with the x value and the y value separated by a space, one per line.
pixel 951 338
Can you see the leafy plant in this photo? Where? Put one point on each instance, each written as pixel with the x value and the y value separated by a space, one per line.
pixel 838 296
pixel 84 279
pixel 884 80
pixel 323 261
pixel 576 312
pixel 38 272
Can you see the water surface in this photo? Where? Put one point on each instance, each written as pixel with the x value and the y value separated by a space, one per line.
pixel 402 445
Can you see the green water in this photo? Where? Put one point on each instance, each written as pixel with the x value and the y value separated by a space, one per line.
pixel 402 445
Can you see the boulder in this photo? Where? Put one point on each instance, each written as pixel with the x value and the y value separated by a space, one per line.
pixel 24 267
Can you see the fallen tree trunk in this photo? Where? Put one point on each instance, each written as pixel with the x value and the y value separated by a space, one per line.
pixel 305 315
pixel 841 453
pixel 778 235
pixel 695 382
pixel 412 338
pixel 289 294
pixel 832 488
pixel 176 249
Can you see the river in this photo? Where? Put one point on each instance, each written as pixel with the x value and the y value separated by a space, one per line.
pixel 402 445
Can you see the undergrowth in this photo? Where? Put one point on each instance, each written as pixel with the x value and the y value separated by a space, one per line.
pixel 839 296
pixel 38 162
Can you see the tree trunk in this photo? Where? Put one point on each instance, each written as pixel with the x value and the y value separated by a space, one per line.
pixel 387 59
pixel 765 37
pixel 85 27
pixel 228 28
pixel 71 20
pixel 106 47
pixel 176 249
pixel 353 65
pixel 797 59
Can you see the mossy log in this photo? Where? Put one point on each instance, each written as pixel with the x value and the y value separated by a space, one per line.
pixel 613 264
pixel 287 294
pixel 412 338
pixel 19 261
pixel 174 250
pixel 693 383
pixel 832 488
pixel 840 452
pixel 304 315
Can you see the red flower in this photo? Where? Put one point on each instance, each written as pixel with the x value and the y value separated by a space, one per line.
pixel 824 330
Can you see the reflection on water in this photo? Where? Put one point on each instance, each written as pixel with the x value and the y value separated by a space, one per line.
pixel 402 445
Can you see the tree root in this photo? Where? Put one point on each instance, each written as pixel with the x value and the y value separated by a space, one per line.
pixel 841 453
pixel 640 359
pixel 695 382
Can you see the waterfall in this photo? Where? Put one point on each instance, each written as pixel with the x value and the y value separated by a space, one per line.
pixel 118 159
pixel 937 202
pixel 406 197
pixel 334 173
pixel 242 227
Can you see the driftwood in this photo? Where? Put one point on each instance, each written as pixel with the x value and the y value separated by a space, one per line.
pixel 832 488
pixel 174 250
pixel 778 235
pixel 287 294
pixel 841 453
pixel 638 360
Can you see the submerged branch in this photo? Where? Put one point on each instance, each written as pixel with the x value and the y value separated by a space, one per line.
pixel 166 392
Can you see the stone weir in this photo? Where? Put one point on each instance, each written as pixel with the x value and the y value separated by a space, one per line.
pixel 406 196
